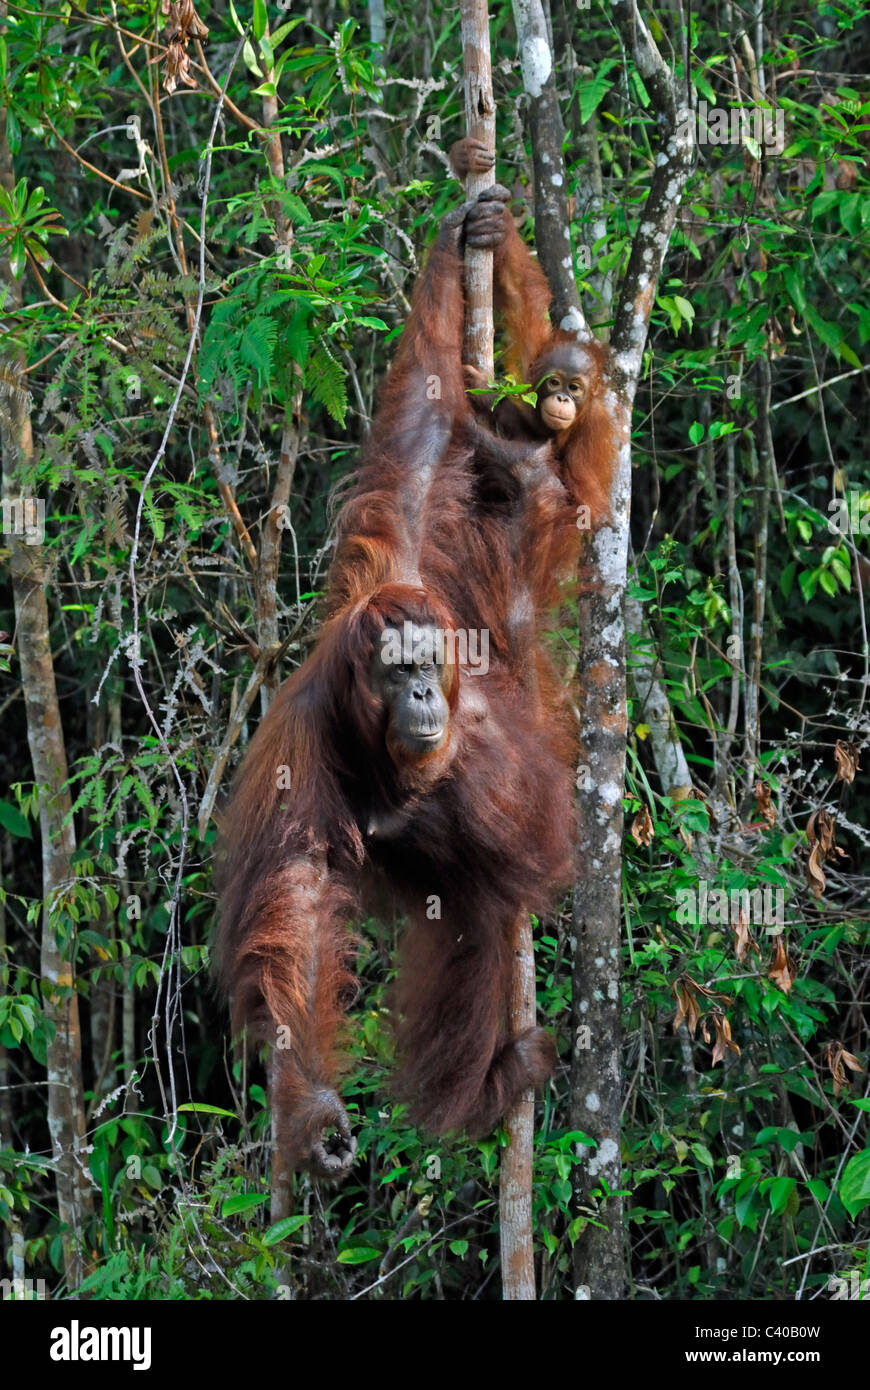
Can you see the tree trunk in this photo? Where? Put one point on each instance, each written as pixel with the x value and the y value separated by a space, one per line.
pixel 66 1114
pixel 515 1182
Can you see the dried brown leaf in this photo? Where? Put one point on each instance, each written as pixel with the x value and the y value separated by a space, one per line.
pixel 745 941
pixel 821 834
pixel 724 1042
pixel 642 828
pixel 846 758
pixel 820 828
pixel 814 875
pixel 762 800
pixel 177 67
pixel 183 24
pixel 782 968
pixel 687 1004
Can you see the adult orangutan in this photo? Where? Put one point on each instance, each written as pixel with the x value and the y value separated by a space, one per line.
pixel 413 770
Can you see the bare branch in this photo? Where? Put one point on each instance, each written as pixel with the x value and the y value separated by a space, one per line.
pixel 548 137
pixel 673 165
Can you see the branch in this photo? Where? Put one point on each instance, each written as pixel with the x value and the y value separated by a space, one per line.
pixel 672 169
pixel 515 1184
pixel 480 124
pixel 548 137
pixel 654 707
pixel 234 728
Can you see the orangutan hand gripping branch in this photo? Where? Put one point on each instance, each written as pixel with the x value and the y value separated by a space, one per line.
pixel 411 769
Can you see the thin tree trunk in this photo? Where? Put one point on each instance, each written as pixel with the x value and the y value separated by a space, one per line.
pixel 763 460
pixel 125 919
pixel 596 1074
pixel 5 1093
pixel 515 1179
pixel 654 707
pixel 101 991
pixel 596 1060
pixel 266 574
pixel 548 136
pixel 66 1113
pixel 515 1182
pixel 479 124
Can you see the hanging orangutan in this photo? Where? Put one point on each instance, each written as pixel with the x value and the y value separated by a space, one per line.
pixel 423 753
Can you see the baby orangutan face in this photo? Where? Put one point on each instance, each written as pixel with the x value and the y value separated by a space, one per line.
pixel 564 380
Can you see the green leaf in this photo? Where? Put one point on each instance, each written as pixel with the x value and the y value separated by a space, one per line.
pixel 251 60
pixel 318 167
pixel 829 333
pixel 13 131
pixel 358 1255
pixel 17 256
pixel 795 286
pixel 850 212
pixel 828 584
pixel 287 1226
pixel 245 1201
pixel 808 579
pixel 779 1192
pixel 854 1186
pixel 703 86
pixel 786 582
pixel 746 1208
pixel 260 18
pixel 324 378
pixel 702 1154
pixel 696 432
pixel 35 201
pixel 643 95
pixel 237 23
pixel 155 519
pixel 12 820
pixel 686 309
pixel 283 30
pixel 199 1107
pixel 823 202
pixel 593 90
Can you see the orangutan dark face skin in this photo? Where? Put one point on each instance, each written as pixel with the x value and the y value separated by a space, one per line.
pixel 562 383
pixel 411 680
